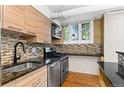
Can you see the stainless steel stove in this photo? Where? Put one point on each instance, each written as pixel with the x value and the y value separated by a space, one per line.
pixel 57 68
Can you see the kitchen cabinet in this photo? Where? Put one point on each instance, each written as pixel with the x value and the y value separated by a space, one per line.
pixel 30 20
pixel 13 18
pixel 34 79
pixel 33 25
pixel 37 78
pixel 43 29
pixel 97 31
pixel 19 18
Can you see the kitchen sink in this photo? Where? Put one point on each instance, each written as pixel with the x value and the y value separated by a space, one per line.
pixel 21 67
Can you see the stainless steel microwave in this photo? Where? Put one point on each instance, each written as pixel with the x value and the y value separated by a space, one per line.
pixel 56 33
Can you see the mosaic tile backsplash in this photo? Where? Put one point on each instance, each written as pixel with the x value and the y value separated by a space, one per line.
pixel 8 42
pixel 35 50
pixel 80 49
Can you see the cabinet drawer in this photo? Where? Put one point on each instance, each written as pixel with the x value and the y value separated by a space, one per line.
pixel 30 78
pixel 34 82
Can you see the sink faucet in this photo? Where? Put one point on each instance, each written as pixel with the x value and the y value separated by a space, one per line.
pixel 15 49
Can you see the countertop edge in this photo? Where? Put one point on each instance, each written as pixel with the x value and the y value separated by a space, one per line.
pixel 22 75
pixel 85 55
pixel 119 52
pixel 113 85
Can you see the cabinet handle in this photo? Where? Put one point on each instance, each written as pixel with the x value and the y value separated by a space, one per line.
pixel 14 28
pixel 31 32
pixel 36 83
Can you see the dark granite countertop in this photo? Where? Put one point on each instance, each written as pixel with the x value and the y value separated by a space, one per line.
pixel 10 76
pixel 95 55
pixel 114 72
pixel 119 52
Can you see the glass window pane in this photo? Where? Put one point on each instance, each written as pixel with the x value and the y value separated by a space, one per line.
pixel 74 35
pixel 85 28
pixel 66 33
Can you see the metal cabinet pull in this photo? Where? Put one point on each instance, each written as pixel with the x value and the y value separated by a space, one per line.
pixel 14 28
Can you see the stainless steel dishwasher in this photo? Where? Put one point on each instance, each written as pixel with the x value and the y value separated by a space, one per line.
pixel 54 74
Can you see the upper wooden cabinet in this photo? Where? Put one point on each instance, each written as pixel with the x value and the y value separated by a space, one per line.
pixel 13 18
pixel 27 20
pixel 30 20
pixel 43 29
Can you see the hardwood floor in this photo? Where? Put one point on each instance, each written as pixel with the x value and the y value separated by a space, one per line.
pixel 81 80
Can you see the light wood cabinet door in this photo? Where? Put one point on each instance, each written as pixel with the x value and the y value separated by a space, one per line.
pixel 33 79
pixel 30 20
pixel 41 37
pixel 43 29
pixel 13 18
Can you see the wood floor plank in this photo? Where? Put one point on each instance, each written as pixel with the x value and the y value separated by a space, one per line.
pixel 81 80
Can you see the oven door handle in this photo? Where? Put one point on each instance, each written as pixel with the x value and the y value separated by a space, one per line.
pixel 52 65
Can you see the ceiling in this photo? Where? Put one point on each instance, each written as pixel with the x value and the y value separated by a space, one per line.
pixel 77 13
pixel 59 8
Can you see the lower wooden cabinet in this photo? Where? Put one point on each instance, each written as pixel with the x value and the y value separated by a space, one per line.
pixel 36 78
pixel 44 84
pixel 103 80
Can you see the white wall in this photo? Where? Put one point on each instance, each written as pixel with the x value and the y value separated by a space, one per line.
pixel 114 36
pixel 84 64
pixel 44 9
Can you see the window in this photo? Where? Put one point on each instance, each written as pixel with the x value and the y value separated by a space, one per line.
pixel 73 29
pixel 66 33
pixel 78 33
pixel 85 27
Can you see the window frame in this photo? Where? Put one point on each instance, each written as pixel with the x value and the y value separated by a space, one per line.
pixel 80 41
